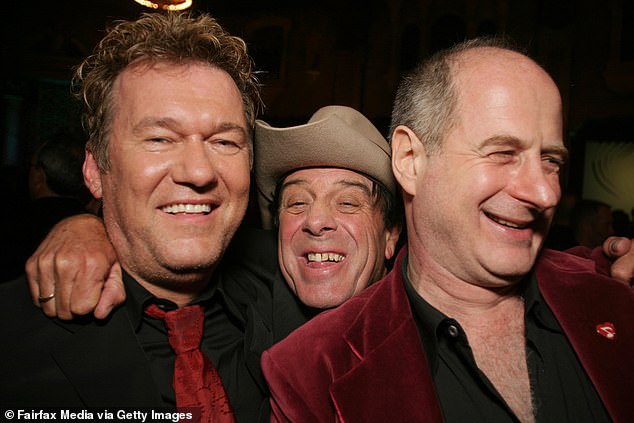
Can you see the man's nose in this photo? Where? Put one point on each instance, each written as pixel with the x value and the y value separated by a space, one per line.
pixel 319 218
pixel 534 184
pixel 195 164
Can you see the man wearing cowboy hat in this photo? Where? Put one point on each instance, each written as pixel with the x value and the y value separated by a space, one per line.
pixel 334 203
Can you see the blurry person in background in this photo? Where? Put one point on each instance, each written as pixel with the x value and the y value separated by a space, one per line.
pixel 56 184
pixel 591 222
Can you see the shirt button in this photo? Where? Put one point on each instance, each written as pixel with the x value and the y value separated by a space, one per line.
pixel 453 331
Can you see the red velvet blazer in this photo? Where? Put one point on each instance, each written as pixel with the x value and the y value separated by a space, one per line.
pixel 364 362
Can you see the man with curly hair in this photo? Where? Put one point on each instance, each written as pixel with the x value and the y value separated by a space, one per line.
pixel 169 107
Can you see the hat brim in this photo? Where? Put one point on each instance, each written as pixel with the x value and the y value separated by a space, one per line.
pixel 330 142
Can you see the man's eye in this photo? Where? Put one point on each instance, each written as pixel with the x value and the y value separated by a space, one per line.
pixel 158 139
pixel 157 143
pixel 295 207
pixel 294 202
pixel 227 146
pixel 553 164
pixel 348 206
pixel 502 155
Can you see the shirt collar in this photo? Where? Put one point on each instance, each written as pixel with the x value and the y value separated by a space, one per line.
pixel 535 307
pixel 138 298
pixel 427 318
pixel 431 321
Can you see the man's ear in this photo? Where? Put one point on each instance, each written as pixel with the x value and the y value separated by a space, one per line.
pixel 37 181
pixel 408 158
pixel 391 240
pixel 92 175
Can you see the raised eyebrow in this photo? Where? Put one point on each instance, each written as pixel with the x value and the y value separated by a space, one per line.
pixel 290 181
pixel 356 184
pixel 345 183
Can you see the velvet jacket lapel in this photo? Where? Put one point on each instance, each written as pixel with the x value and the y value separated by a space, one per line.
pixel 581 300
pixel 106 364
pixel 385 340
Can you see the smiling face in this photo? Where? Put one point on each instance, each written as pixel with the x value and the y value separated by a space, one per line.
pixel 178 183
pixel 332 238
pixel 482 207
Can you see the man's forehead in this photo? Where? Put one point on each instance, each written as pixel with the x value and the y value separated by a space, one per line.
pixel 337 177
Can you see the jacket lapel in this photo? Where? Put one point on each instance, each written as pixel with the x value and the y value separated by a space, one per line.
pixel 581 301
pixel 106 364
pixel 392 380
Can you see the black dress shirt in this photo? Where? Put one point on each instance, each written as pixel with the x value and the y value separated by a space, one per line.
pixel 240 323
pixel 222 343
pixel 561 389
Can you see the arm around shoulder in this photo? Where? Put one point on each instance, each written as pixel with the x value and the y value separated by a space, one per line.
pixel 74 264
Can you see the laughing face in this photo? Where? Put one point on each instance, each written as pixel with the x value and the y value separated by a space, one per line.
pixel 332 238
pixel 178 184
pixel 483 205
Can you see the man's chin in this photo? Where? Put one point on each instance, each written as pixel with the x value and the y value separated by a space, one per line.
pixel 189 267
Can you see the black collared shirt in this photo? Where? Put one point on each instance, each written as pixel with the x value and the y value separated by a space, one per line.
pixel 222 343
pixel 562 391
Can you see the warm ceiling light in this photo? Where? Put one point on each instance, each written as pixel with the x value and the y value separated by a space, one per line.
pixel 166 4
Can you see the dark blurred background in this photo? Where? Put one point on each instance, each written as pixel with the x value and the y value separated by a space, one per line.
pixel 350 52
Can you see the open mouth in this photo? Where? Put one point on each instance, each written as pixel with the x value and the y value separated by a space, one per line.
pixel 324 257
pixel 506 223
pixel 187 208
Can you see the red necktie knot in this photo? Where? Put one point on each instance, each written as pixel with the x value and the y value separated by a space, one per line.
pixel 184 326
pixel 196 381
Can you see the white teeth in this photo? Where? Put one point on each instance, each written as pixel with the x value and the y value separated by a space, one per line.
pixel 320 257
pixel 187 208
pixel 505 222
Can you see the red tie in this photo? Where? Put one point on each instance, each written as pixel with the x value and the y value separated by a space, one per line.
pixel 196 381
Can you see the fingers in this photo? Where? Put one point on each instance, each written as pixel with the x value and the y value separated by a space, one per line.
pixel 87 295
pixel 72 263
pixel 621 249
pixel 41 280
pixel 65 275
pixel 616 247
pixel 33 280
pixel 113 293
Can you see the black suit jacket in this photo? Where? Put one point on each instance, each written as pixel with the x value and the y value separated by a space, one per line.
pixel 45 362
pixel 87 363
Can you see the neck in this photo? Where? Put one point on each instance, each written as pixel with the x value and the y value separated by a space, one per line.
pixel 181 291
pixel 455 296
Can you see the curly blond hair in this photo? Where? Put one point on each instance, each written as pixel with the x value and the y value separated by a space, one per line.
pixel 172 37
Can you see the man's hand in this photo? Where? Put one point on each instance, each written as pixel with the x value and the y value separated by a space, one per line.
pixel 621 250
pixel 75 270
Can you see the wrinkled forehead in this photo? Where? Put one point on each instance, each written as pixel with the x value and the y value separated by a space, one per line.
pixel 326 178
pixel 507 95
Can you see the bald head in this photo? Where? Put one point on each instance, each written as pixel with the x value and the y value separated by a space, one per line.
pixel 427 98
pixel 477 147
pixel 491 80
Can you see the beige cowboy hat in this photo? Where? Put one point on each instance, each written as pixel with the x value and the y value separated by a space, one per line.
pixel 335 136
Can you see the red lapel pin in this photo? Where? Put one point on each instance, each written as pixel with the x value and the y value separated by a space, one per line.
pixel 607 329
